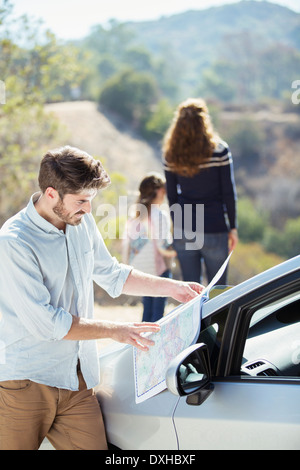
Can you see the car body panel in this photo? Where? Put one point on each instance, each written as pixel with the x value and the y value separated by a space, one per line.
pixel 242 415
pixel 147 425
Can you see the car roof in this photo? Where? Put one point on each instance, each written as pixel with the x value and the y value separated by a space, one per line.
pixel 250 285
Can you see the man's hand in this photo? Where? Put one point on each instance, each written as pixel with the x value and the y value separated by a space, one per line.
pixel 186 291
pixel 131 333
pixel 142 284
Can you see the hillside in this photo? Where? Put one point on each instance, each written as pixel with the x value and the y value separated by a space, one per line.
pixel 241 53
pixel 241 34
pixel 87 128
pixel 198 34
pixel 266 149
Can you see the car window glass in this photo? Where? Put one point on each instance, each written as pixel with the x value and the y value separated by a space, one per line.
pixel 217 290
pixel 211 334
pixel 272 346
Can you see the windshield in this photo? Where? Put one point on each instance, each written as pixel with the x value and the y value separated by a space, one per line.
pixel 217 290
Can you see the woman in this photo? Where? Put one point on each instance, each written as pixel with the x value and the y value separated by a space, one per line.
pixel 199 171
pixel 148 240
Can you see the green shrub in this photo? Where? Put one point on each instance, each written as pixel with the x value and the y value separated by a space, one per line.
pixel 251 222
pixel 131 95
pixel 285 242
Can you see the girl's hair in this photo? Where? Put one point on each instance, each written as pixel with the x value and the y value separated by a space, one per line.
pixel 70 171
pixel 190 139
pixel 148 190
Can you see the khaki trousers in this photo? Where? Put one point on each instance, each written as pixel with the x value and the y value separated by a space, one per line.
pixel 29 412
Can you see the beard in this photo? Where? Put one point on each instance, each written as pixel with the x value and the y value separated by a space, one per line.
pixel 66 216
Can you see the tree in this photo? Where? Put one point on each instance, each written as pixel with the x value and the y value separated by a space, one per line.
pixel 251 223
pixel 131 95
pixel 284 242
pixel 246 142
pixel 115 48
pixel 34 69
pixel 248 69
pixel 159 120
pixel 217 82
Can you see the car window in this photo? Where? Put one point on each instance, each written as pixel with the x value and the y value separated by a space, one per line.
pixel 211 334
pixel 272 347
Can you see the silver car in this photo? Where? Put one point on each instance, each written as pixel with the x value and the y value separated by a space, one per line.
pixel 236 387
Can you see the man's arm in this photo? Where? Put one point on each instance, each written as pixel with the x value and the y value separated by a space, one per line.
pixel 130 333
pixel 139 283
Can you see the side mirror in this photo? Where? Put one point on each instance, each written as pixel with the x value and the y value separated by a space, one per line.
pixel 189 374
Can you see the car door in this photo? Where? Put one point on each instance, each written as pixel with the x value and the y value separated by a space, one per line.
pixel 255 401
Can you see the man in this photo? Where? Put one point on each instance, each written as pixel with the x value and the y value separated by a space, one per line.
pixel 51 252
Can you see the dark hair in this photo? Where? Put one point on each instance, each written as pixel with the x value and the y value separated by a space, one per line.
pixel 70 170
pixel 148 189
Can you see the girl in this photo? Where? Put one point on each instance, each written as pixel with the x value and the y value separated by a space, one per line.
pixel 147 245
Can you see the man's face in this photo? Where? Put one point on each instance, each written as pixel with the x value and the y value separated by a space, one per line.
pixel 72 207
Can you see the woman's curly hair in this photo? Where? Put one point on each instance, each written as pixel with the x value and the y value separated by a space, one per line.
pixel 190 139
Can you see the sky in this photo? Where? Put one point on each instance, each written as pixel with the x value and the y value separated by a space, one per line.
pixel 72 19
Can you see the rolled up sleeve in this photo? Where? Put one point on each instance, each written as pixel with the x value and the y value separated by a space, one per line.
pixel 110 274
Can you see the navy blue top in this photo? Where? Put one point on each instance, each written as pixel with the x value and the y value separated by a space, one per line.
pixel 213 186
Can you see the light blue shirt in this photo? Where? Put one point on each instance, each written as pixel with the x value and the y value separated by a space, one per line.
pixel 46 276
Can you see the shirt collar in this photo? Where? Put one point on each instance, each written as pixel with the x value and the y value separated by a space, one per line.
pixel 36 218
